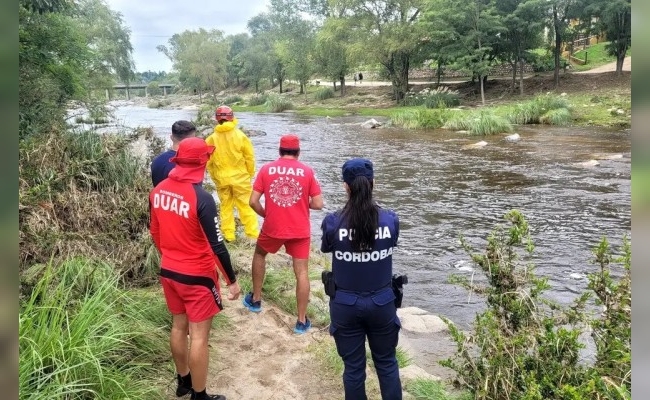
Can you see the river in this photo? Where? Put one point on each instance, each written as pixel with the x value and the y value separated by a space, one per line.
pixel 440 190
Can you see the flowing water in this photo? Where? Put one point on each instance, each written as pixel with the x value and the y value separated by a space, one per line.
pixel 441 189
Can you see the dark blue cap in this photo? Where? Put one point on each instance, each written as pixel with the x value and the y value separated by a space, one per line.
pixel 357 167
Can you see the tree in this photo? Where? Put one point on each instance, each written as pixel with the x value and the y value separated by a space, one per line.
pixel 331 53
pixel 200 57
pixel 615 21
pixel 238 43
pixel 562 11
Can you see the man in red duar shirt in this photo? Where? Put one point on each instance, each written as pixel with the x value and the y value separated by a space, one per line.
pixel 185 229
pixel 290 190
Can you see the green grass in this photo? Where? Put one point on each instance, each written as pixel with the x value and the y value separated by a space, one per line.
pixel 596 56
pixel 257 99
pixel 276 104
pixel 543 109
pixel 81 336
pixel 427 389
pixel 324 93
pixel 481 123
pixel 421 118
pixel 596 110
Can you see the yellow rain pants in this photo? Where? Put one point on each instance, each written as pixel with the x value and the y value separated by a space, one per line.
pixel 231 167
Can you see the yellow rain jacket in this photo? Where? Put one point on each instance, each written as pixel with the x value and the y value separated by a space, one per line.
pixel 231 167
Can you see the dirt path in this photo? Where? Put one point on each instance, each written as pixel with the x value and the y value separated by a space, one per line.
pixel 611 67
pixel 259 357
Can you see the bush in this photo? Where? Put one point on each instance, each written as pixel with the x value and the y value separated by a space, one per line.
pixel 533 111
pixel 441 97
pixel 258 99
pixel 482 123
pixel 526 346
pixel 233 99
pixel 80 336
pixel 324 93
pixel 277 104
pixel 421 118
pixel 153 88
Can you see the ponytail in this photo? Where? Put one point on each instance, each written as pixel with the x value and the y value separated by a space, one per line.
pixel 361 214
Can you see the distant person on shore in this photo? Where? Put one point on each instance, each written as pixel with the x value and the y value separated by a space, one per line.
pixel 360 78
pixel 361 238
pixel 231 168
pixel 356 78
pixel 290 190
pixel 160 166
pixel 185 229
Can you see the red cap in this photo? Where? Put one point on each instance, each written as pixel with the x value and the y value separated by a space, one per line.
pixel 192 151
pixel 290 142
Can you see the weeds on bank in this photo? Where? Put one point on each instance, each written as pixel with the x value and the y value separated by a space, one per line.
pixel 441 97
pixel 276 104
pixel 527 347
pixel 428 389
pixel 544 109
pixel 82 193
pixel 481 123
pixel 81 336
pixel 421 118
pixel 324 93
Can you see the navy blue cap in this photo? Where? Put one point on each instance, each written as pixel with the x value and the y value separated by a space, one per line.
pixel 357 167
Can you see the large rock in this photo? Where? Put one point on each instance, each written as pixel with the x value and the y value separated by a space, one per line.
pixel 415 319
pixel 477 145
pixel 371 124
pixel 587 164
pixel 513 138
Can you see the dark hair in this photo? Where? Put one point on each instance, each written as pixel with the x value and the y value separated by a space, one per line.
pixel 183 129
pixel 361 214
pixel 289 152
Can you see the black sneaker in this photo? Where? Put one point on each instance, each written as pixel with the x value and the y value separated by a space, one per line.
pixel 204 396
pixel 184 385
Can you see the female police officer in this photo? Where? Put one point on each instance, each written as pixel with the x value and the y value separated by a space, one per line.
pixel 361 238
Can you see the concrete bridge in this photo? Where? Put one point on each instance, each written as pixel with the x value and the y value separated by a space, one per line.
pixel 127 88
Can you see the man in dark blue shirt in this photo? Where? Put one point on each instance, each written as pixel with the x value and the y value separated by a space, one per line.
pixel 160 166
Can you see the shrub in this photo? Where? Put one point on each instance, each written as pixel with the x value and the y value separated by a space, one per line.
pixel 233 99
pixel 257 99
pixel 533 111
pixel 153 88
pixel 558 116
pixel 441 97
pixel 277 103
pixel 324 93
pixel 482 123
pixel 525 346
pixel 420 118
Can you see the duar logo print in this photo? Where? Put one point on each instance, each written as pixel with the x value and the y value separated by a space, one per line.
pixel 285 191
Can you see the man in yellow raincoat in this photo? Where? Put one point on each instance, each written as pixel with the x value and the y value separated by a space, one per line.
pixel 231 167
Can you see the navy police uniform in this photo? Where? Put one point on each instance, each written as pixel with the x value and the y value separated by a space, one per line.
pixel 363 305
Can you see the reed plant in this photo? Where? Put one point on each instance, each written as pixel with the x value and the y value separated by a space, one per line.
pixel 421 118
pixel 233 99
pixel 480 123
pixel 278 104
pixel 81 336
pixel 324 93
pixel 543 109
pixel 257 99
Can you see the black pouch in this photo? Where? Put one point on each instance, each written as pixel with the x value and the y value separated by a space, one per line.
pixel 398 283
pixel 327 277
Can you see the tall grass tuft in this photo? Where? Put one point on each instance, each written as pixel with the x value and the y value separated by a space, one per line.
pixel 421 118
pixel 324 93
pixel 441 97
pixel 80 336
pixel 257 99
pixel 233 99
pixel 277 104
pixel 482 123
pixel 534 111
pixel 427 389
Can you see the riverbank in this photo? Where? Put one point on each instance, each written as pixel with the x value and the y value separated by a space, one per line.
pixel 596 99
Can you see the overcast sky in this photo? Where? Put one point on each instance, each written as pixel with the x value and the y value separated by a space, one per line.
pixel 153 23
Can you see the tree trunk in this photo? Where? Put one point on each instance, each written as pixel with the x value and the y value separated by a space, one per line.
pixel 521 77
pixel 480 78
pixel 280 81
pixel 257 87
pixel 620 58
pixel 438 74
pixel 514 76
pixel 558 44
pixel 399 74
pixel 334 82
pixel 342 86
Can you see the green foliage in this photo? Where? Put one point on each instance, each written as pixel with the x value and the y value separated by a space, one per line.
pixel 324 93
pixel 542 109
pixel 159 103
pixel 441 97
pixel 153 88
pixel 421 118
pixel 81 336
pixel 278 104
pixel 427 389
pixel 233 99
pixel 480 123
pixel 526 346
pixel 257 99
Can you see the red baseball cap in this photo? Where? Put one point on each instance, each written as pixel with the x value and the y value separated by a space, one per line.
pixel 192 151
pixel 290 142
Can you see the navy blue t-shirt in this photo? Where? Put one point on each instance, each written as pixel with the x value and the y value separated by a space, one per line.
pixel 161 166
pixel 364 271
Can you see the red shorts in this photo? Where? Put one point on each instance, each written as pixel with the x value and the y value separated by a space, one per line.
pixel 296 248
pixel 197 296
